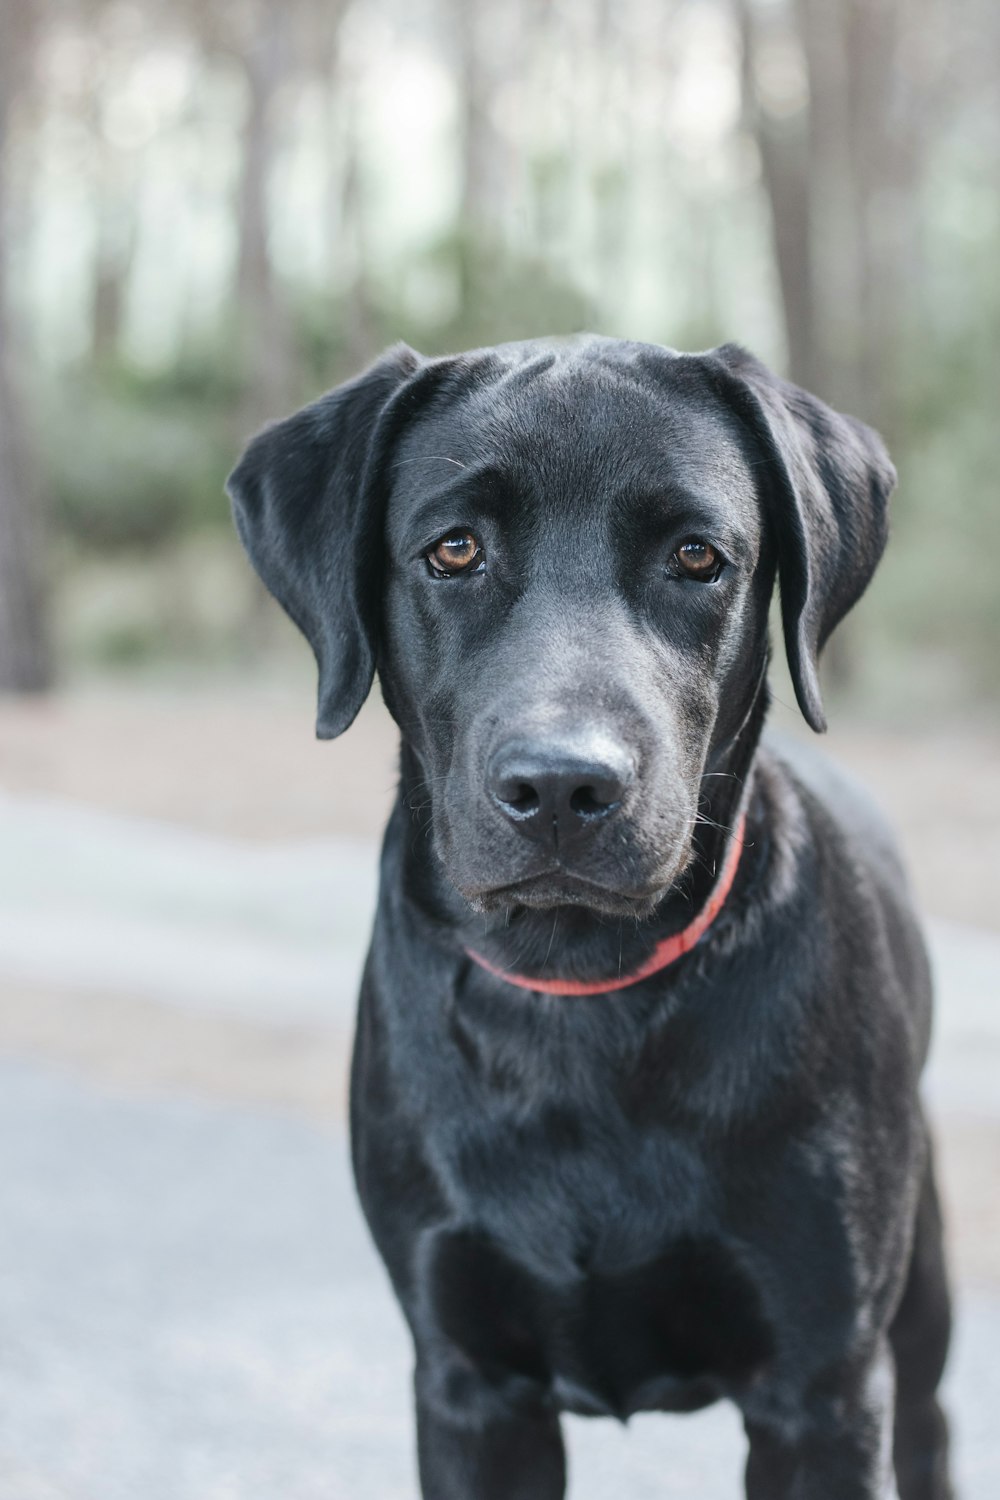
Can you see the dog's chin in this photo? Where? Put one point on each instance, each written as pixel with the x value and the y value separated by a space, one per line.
pixel 558 889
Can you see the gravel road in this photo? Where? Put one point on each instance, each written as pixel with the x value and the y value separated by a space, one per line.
pixel 189 1305
pixel 191 1310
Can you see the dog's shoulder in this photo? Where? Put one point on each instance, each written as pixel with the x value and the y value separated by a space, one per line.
pixel 821 782
pixel 856 848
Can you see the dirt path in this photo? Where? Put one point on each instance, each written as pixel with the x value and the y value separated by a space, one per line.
pixel 209 924
pixel 248 766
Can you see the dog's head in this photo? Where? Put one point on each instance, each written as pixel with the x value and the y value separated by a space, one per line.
pixel 560 558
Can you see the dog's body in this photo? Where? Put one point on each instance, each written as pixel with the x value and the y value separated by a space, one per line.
pixel 710 1182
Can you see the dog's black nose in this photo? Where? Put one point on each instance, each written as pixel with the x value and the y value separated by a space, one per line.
pixel 555 793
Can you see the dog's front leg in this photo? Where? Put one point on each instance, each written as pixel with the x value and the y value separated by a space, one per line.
pixel 836 1445
pixel 475 1444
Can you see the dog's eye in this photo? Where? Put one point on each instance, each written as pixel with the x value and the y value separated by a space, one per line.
pixel 698 559
pixel 458 552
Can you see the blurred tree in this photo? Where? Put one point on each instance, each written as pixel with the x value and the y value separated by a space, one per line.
pixel 359 315
pixel 25 663
pixel 615 168
pixel 775 115
pixel 480 186
pixel 842 105
pixel 463 171
pixel 115 223
pixel 265 335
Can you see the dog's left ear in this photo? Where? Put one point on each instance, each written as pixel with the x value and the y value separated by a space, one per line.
pixel 828 483
pixel 302 509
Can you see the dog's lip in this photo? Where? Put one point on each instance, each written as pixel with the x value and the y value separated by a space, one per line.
pixel 559 879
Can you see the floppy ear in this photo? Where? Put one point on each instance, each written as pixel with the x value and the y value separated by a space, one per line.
pixel 828 482
pixel 301 503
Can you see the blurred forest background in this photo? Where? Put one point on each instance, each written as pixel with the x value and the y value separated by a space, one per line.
pixel 212 209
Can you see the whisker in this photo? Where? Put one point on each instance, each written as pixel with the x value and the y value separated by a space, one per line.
pixel 422 457
pixel 711 823
pixel 552 939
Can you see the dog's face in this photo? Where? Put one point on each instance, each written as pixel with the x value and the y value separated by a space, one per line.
pixel 574 602
pixel 562 558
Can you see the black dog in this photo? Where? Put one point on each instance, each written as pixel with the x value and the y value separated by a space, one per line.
pixel 634 1106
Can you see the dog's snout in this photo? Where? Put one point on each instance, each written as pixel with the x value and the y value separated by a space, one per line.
pixel 555 792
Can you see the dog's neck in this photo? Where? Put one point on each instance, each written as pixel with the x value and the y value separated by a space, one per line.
pixel 589 945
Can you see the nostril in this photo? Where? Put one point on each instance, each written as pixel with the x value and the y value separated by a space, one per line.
pixel 555 792
pixel 586 802
pixel 522 797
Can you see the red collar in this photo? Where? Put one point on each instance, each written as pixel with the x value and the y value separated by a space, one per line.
pixel 666 952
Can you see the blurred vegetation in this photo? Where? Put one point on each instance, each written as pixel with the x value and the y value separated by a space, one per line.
pixel 210 213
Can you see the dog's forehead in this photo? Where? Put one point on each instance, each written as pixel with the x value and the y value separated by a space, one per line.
pixel 567 423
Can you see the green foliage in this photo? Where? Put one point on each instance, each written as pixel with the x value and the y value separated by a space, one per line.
pixel 142 454
pixel 937 599
pixel 500 298
pixel 137 474
pixel 149 570
pixel 139 457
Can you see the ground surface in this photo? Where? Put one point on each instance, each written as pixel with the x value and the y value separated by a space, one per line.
pixel 248 766
pixel 189 1303
pixel 192 1311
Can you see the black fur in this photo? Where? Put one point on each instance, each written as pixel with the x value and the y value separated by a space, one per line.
pixel 715 1183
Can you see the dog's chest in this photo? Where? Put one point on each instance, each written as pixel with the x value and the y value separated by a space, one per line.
pixel 673 1333
pixel 597 1267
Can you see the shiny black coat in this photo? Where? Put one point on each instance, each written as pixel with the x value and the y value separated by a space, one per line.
pixel 715 1183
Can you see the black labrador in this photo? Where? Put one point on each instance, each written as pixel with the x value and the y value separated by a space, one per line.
pixel 634 1101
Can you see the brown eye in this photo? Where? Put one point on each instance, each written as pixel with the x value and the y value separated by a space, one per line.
pixel 458 552
pixel 698 559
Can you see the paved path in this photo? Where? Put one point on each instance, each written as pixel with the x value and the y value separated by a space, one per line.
pixel 189 1307
pixel 271 932
pixel 191 1311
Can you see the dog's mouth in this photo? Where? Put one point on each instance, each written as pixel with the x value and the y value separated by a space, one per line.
pixel 559 888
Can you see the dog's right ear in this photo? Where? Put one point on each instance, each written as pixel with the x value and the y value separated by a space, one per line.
pixel 300 497
pixel 828 479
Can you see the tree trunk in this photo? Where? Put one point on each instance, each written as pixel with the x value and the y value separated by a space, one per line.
pixel 25 664
pixel 346 207
pixel 884 174
pixel 783 147
pixel 265 334
pixel 112 258
pixel 476 197
pixel 842 195
pixel 360 330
